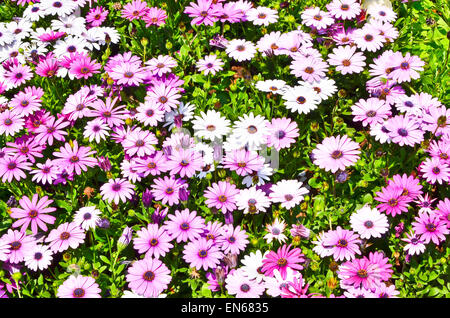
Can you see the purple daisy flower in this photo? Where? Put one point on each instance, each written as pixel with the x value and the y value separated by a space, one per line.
pixel 79 287
pixel 202 253
pixel 33 212
pixel 65 236
pixel 184 225
pixel 284 258
pixel 154 241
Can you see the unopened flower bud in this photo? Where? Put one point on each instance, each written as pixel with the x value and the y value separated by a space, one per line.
pixel 125 238
pixel 147 198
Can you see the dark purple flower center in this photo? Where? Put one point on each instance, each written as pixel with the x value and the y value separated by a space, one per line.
pixel 404 66
pixel 35 9
pixel 64 235
pixel 8 122
pixel 276 231
pixel 209 65
pixel 24 149
pixel 436 170
pixel 280 134
pixel 204 14
pixel 32 214
pixel 74 159
pixel 288 197
pixel 337 154
pixel 128 74
pixel 154 242
pixel 251 202
pixel 37 256
pixel 79 107
pixel 87 216
pixel 19 75
pixel 231 239
pixel 116 187
pixel 443 155
pixel 309 70
pixel 184 226
pixel 430 227
pixel 150 112
pixel 368 37
pixel 84 70
pixel 245 288
pixel 345 7
pixel 301 100
pixel 393 202
pixel 57 4
pixel 24 103
pixel 12 166
pixel 342 243
pixel 163 99
pixel 262 16
pixel 240 48
pixel 16 245
pixel 71 48
pixel 318 17
pixel 222 198
pixel 107 114
pixel 210 236
pixel 242 164
pixel 139 143
pixel 169 190
pixel 78 292
pixel 184 163
pixel 408 103
pixel 402 132
pixel 148 276
pixel 371 113
pixel 202 253
pixel 368 224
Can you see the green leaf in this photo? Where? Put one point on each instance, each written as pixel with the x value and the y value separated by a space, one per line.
pixel 64 205
pixel 105 259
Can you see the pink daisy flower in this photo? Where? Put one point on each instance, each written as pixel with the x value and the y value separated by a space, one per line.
pixel 26 148
pixel 347 60
pixel 155 16
pixel 359 272
pixel 18 75
pixel 284 258
pixel 10 123
pixel 117 190
pixel 161 65
pixel 430 227
pixel 64 236
pixel 344 9
pixel 369 222
pixel 12 167
pixel 25 104
pixel 96 129
pixel 210 64
pixel 108 112
pixel 392 200
pixel 316 18
pixel 202 253
pixel 134 10
pixel 282 133
pixel 407 68
pixel 415 244
pixel 96 16
pixel 139 142
pixel 148 277
pixel 45 172
pixel 84 67
pixel 434 170
pixel 409 184
pixel 165 96
pixel 202 12
pixel 288 192
pixel 167 190
pixel 184 162
pixel 368 39
pixel 243 162
pixel 79 105
pixel 79 286
pixel 19 244
pixel 404 130
pixel 232 239
pixel 53 129
pixel 382 262
pixel 238 283
pixel 125 73
pixel 33 212
pixel 311 69
pixel 436 119
pixel 343 244
pixel 443 210
pixel 185 225
pixel 154 164
pixel 336 153
pixel 154 241
pixel 222 195
pixel 371 111
pixel 74 158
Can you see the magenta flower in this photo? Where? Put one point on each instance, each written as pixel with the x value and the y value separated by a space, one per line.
pixel 64 236
pixel 281 260
pixel 404 130
pixel 282 133
pixel 382 262
pixel 12 167
pixel 222 195
pixel 310 69
pixel 343 244
pixel 359 272
pixel 443 210
pixel 202 12
pixel 434 170
pixel 430 227
pixel 52 130
pixel 117 190
pixel 336 153
pixel 79 286
pixel 407 68
pixel 10 123
pixel 108 112
pixel 96 16
pixel 232 239
pixel 392 200
pixel 33 212
pixel 74 158
pixel 202 253
pixel 134 10
pixel 148 277
pixel 409 184
pixel 84 67
pixel 185 225
pixel 415 244
pixel 19 244
pixel 154 241
pixel 243 162
pixel 371 111
pixel 155 16
pixel 185 163
pixel 167 190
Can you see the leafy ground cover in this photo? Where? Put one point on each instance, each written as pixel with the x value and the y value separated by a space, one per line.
pixel 224 148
